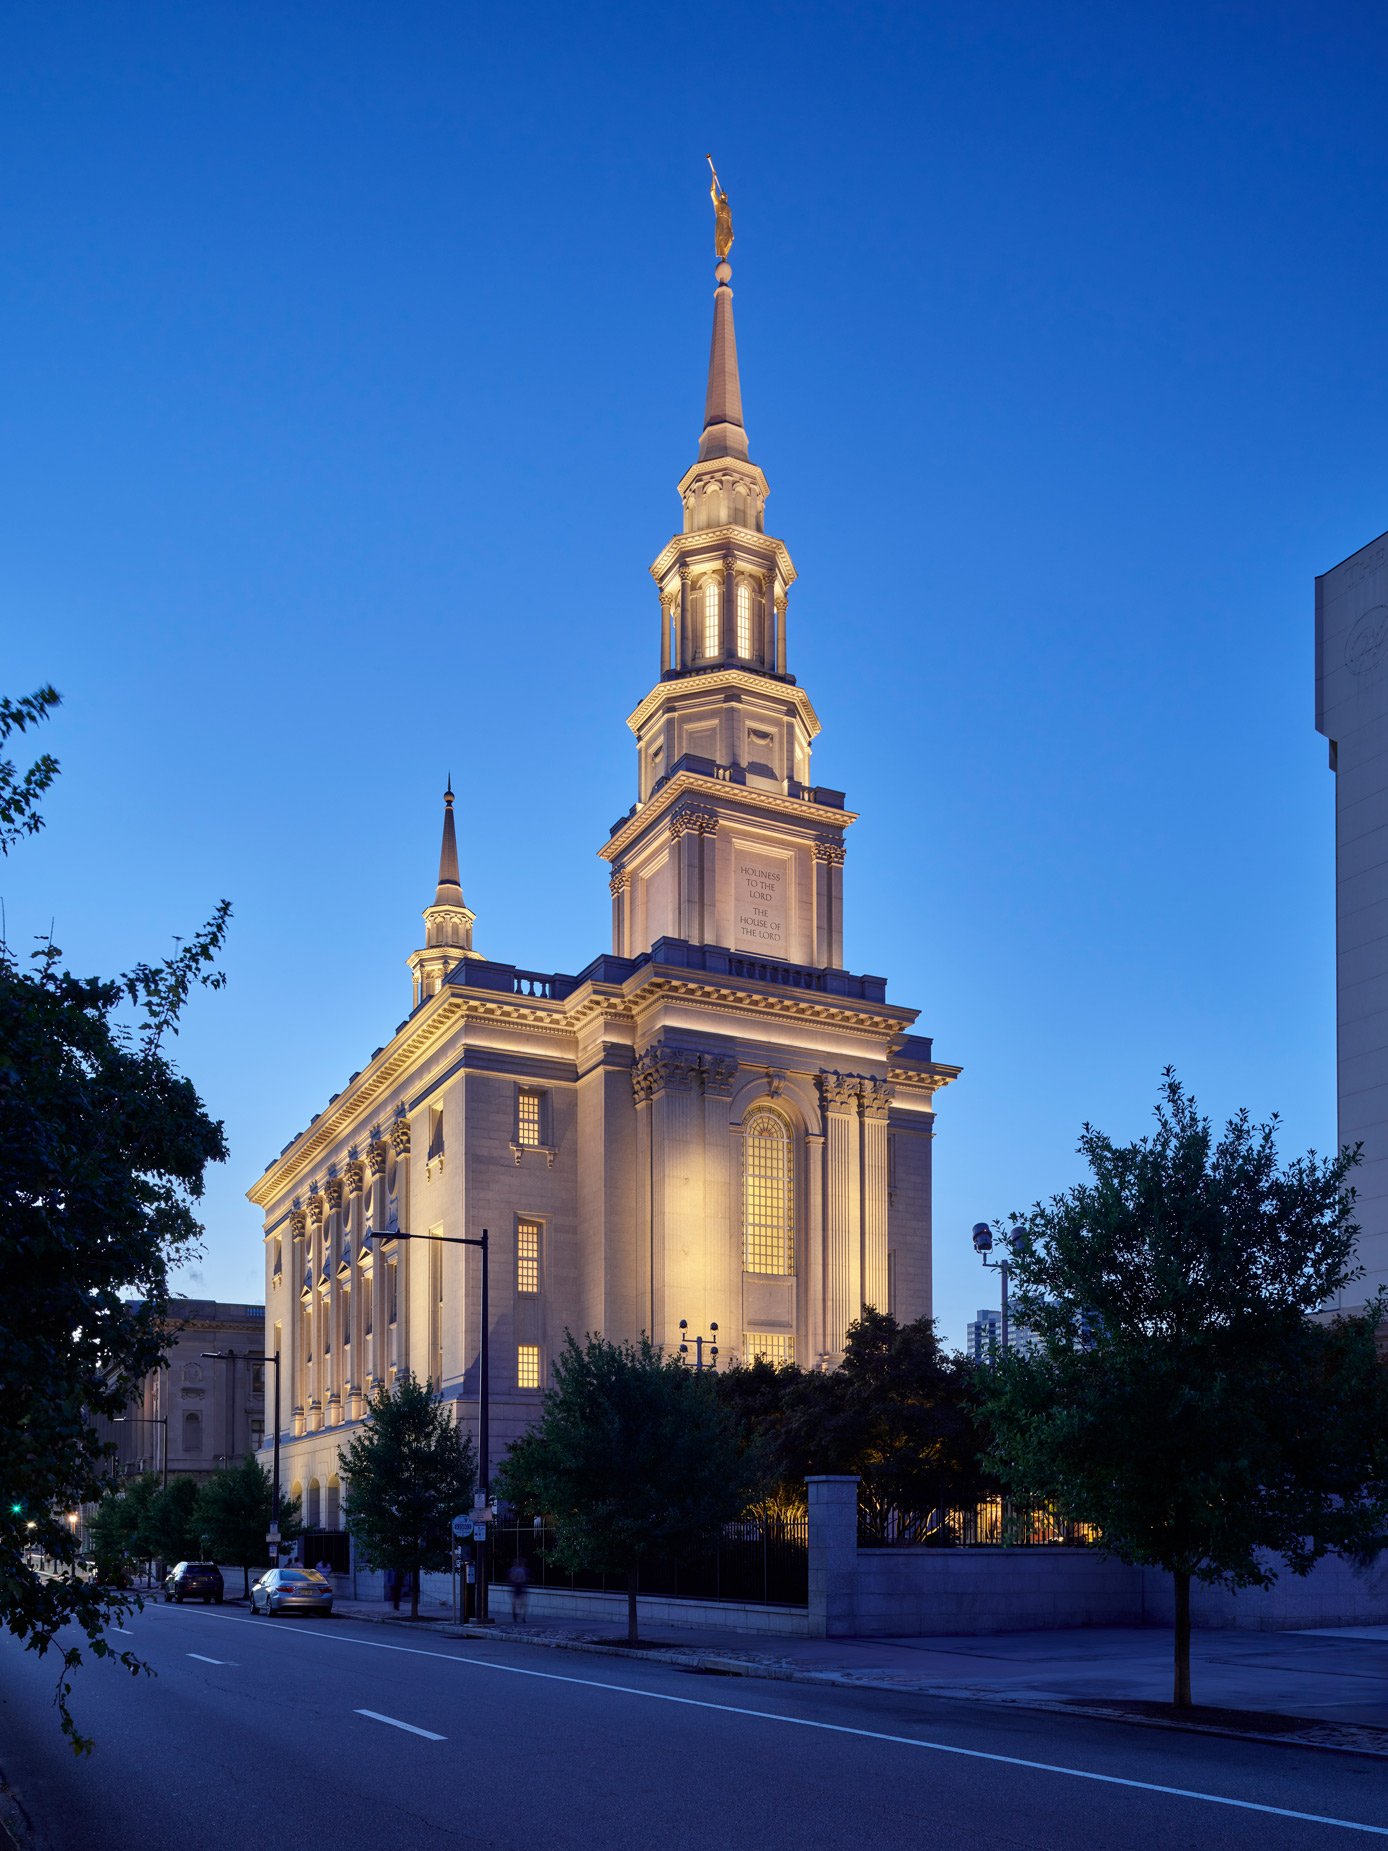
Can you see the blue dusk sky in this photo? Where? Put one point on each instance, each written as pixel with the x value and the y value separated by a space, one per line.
pixel 351 356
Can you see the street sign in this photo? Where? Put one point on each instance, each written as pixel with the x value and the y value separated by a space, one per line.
pixel 273 1533
pixel 462 1527
pixel 479 1532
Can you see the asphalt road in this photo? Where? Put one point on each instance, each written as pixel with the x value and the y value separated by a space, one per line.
pixel 342 1734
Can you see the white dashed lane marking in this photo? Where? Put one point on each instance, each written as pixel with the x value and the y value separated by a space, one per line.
pixel 396 1723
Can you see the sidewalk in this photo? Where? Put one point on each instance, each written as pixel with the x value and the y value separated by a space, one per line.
pixel 1326 1688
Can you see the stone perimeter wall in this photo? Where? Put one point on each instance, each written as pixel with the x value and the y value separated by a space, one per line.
pixel 885 1592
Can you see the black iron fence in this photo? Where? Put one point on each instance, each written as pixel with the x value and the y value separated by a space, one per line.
pixel 332 1547
pixel 756 1559
pixel 996 1522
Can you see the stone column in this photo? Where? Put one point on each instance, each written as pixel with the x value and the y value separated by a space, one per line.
pixel 833 1505
pixel 722 1261
pixel 729 611
pixel 670 1079
pixel 299 1261
pixel 876 1101
pixel 693 831
pixel 843 1278
pixel 664 633
pixel 683 651
pixel 815 1337
pixel 780 636
pixel 618 887
pixel 828 902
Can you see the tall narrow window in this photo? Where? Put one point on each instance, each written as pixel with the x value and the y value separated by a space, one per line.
pixel 528 1116
pixel 528 1257
pixel 711 637
pixel 768 1194
pixel 192 1434
pixel 768 1346
pixel 528 1365
pixel 744 621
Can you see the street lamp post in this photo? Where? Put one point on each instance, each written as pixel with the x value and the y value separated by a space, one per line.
pixel 260 1356
pixel 149 1420
pixel 711 1340
pixel 983 1246
pixel 483 1396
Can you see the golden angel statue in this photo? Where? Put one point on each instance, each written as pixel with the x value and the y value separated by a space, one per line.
pixel 723 230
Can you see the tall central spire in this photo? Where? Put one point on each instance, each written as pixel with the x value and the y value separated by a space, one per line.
pixel 724 433
pixel 448 920
pixel 450 889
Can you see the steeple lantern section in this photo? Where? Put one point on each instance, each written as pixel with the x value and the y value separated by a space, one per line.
pixel 729 843
pixel 448 922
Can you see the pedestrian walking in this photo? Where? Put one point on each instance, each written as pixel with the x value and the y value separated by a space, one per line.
pixel 520 1589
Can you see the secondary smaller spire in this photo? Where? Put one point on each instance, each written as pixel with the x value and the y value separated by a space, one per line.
pixel 450 891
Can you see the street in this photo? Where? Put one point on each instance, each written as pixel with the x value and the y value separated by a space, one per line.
pixel 346 1734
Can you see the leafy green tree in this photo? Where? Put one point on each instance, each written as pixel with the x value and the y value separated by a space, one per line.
pixel 170 1528
pixel 119 1528
pixel 103 1147
pixel 1182 1398
pixel 233 1512
pixel 633 1455
pixel 405 1476
pixel 901 1413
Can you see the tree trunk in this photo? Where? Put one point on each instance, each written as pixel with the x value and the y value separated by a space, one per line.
pixel 1181 1689
pixel 633 1579
pixel 414 1592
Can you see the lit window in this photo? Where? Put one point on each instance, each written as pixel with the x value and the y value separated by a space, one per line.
pixel 768 1195
pixel 528 1365
pixel 528 1257
pixel 711 639
pixel 744 621
pixel 392 1296
pixel 768 1346
pixel 527 1117
pixel 257 1435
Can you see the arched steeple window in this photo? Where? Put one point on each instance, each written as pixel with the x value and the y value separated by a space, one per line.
pixel 712 640
pixel 744 621
pixel 768 1194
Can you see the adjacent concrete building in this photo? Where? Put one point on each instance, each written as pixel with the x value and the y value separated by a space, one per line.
pixel 1352 713
pixel 195 1414
pixel 714 1122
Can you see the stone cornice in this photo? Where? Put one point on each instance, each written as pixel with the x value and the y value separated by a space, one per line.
pixel 714 542
pixel 926 1079
pixel 745 997
pixel 733 796
pixel 783 693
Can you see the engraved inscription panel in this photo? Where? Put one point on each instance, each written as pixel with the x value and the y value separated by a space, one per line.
pixel 759 901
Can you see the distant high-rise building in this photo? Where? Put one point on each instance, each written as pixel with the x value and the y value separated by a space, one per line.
pixel 1352 713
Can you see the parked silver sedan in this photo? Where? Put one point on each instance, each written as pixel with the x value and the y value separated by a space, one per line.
pixel 291 1590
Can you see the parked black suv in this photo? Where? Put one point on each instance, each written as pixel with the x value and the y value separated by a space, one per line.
pixel 194 1581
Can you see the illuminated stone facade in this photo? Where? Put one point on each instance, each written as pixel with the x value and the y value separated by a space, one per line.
pixel 715 1122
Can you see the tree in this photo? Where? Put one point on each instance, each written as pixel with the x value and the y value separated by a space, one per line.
pixel 119 1528
pixel 901 1414
pixel 233 1512
pixel 405 1476
pixel 103 1147
pixel 1182 1398
pixel 170 1528
pixel 633 1454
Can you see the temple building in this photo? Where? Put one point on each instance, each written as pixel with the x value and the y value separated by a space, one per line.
pixel 715 1124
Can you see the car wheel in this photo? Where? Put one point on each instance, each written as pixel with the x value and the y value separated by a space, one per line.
pixel 218 1599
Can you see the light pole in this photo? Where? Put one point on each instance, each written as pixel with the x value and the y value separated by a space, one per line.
pixel 259 1356
pixel 711 1340
pixel 484 1403
pixel 983 1246
pixel 149 1420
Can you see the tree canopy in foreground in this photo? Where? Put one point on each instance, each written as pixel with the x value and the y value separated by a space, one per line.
pixel 1182 1398
pixel 103 1148
pixel 405 1476
pixel 633 1455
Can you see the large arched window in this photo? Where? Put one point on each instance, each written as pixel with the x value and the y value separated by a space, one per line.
pixel 768 1194
pixel 712 641
pixel 744 621
pixel 192 1434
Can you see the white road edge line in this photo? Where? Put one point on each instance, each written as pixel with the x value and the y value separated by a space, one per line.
pixel 833 1728
pixel 212 1661
pixel 396 1723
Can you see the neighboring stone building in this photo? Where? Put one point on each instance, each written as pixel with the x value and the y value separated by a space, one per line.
pixel 1352 712
pixel 715 1122
pixel 215 1410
